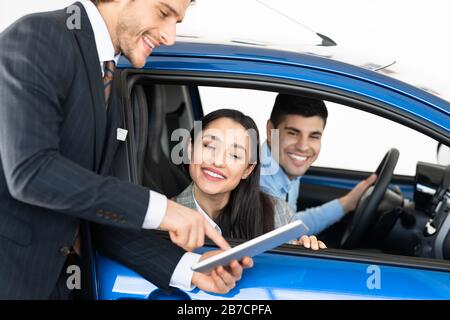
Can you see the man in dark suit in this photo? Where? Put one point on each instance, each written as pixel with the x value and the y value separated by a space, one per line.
pixel 58 121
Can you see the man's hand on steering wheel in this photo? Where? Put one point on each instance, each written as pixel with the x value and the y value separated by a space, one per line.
pixel 351 199
pixel 366 212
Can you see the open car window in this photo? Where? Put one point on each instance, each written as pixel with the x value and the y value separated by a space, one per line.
pixel 354 143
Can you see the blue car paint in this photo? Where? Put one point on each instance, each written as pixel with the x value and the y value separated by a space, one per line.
pixel 232 56
pixel 211 51
pixel 407 103
pixel 297 277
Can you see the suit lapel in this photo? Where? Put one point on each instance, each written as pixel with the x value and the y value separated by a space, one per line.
pixel 111 143
pixel 86 41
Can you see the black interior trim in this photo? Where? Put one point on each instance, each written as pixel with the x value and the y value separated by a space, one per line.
pixel 358 256
pixel 368 257
pixel 314 195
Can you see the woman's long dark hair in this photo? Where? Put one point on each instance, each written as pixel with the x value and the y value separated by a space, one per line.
pixel 249 212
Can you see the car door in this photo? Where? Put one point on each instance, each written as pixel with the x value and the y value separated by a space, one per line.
pixel 290 272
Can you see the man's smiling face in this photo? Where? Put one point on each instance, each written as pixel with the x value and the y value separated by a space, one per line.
pixel 299 143
pixel 146 24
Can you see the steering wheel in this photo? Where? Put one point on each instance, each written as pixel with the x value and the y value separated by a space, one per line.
pixel 366 211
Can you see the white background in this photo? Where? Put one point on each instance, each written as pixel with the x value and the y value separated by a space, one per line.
pixel 411 32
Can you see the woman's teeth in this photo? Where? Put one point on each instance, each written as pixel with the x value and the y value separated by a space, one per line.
pixel 214 175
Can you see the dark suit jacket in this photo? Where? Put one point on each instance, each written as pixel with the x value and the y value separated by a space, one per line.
pixel 56 142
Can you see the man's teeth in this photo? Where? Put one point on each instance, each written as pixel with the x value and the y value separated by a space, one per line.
pixel 296 157
pixel 147 41
pixel 212 174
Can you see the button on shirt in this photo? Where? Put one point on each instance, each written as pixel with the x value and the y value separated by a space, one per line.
pixel 275 182
pixel 181 278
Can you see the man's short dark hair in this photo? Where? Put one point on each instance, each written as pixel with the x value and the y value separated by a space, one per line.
pixel 287 104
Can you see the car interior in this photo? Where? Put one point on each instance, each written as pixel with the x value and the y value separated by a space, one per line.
pixel 385 221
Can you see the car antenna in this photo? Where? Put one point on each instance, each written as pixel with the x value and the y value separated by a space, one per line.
pixel 386 66
pixel 326 41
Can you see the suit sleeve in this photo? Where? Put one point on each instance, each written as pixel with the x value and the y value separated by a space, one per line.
pixel 37 61
pixel 148 253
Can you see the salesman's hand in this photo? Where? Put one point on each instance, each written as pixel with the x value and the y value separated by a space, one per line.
pixel 221 279
pixel 187 228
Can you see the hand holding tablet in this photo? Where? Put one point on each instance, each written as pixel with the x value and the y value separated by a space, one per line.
pixel 267 241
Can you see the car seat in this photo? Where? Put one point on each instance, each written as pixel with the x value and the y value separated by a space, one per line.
pixel 155 170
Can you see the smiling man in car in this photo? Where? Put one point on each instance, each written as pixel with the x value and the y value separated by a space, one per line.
pixel 301 122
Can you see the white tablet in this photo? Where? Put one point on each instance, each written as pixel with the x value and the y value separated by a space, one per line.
pixel 267 241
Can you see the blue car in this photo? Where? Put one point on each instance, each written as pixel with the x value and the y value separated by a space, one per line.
pixel 397 248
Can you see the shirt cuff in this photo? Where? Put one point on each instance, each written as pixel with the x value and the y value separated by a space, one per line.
pixel 182 275
pixel 157 206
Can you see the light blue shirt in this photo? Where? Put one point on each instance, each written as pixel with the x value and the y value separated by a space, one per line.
pixel 275 182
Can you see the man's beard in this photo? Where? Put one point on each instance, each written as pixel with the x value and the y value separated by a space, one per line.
pixel 125 38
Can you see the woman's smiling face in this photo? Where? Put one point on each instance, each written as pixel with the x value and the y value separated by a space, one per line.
pixel 220 157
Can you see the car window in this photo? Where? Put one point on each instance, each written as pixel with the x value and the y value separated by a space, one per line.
pixel 353 139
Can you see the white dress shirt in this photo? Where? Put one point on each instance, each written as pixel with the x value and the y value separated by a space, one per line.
pixel 182 276
pixel 199 209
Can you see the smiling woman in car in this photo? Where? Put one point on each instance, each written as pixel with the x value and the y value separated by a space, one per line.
pixel 225 169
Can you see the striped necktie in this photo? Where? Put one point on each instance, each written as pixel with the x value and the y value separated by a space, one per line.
pixel 108 74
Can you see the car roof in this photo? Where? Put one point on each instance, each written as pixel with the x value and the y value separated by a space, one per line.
pixel 244 53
